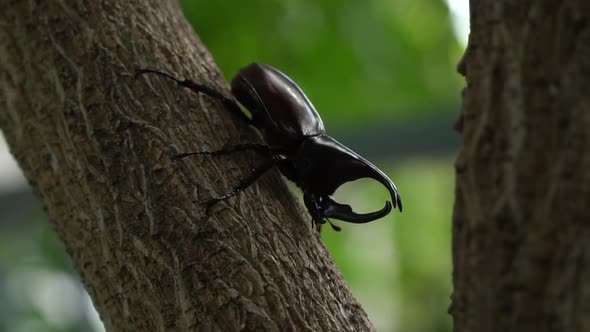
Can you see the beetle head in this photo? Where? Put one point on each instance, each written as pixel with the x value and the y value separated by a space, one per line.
pixel 324 165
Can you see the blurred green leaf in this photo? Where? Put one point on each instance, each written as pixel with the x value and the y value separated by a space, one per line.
pixel 406 255
pixel 358 62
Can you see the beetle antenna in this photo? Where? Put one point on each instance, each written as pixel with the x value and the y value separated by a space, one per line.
pixel 334 227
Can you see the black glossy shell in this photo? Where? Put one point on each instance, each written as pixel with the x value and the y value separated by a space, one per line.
pixel 324 164
pixel 277 103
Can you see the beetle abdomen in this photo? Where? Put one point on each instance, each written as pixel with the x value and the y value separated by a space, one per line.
pixel 276 102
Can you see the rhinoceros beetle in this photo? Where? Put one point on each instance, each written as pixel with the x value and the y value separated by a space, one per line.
pixel 297 143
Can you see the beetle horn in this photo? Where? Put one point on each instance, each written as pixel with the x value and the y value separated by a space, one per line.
pixel 371 171
pixel 326 164
pixel 358 167
pixel 344 212
pixel 333 209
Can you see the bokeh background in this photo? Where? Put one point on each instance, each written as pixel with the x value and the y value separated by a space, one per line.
pixel 382 75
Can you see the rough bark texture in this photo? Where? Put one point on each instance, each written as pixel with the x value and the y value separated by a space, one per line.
pixel 522 219
pixel 95 145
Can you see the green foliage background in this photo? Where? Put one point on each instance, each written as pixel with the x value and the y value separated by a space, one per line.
pixel 358 61
pixel 365 65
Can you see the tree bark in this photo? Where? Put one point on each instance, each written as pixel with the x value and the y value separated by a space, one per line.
pixel 94 144
pixel 521 221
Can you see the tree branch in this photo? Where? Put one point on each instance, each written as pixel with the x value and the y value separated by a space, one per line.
pixel 95 144
pixel 520 228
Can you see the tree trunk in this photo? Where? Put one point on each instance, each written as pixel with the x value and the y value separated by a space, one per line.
pixel 522 218
pixel 95 143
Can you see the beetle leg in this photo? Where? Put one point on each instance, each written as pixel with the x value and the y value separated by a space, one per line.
pixel 318 225
pixel 314 210
pixel 247 182
pixel 261 148
pixel 228 103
